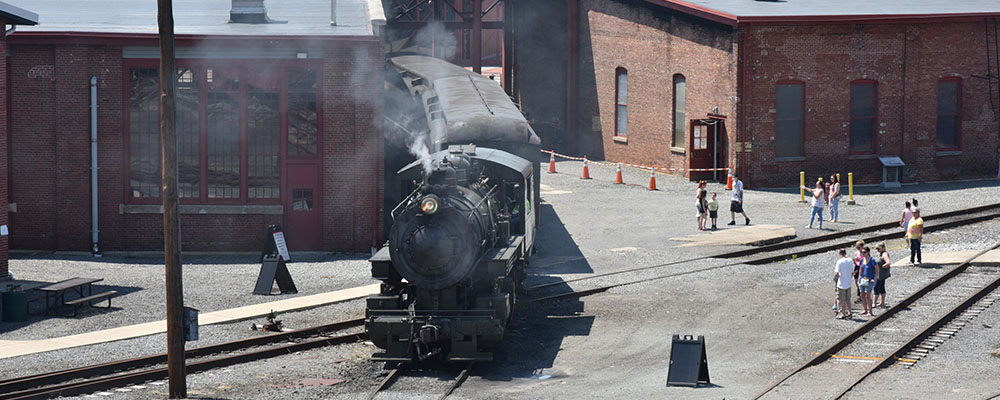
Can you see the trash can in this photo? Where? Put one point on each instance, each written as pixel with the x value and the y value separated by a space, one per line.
pixel 15 306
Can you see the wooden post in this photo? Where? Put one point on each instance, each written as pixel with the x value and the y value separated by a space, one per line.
pixel 171 228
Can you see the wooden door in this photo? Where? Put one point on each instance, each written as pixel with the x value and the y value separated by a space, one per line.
pixel 702 148
pixel 303 209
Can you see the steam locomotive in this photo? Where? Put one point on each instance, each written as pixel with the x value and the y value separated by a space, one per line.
pixel 464 223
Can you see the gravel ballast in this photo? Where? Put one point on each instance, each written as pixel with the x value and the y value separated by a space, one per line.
pixel 759 321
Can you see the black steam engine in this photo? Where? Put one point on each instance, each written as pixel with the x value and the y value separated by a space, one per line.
pixel 455 258
pixel 463 221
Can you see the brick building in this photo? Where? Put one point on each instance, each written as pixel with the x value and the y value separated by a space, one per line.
pixel 772 88
pixel 276 124
pixel 13 16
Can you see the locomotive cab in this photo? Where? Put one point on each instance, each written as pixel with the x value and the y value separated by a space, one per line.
pixel 455 257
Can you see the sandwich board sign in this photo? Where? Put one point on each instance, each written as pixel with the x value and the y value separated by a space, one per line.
pixel 272 267
pixel 688 362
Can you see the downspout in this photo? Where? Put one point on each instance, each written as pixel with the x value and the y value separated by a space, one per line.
pixel 741 94
pixel 94 249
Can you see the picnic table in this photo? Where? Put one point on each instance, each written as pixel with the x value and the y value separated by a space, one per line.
pixel 57 291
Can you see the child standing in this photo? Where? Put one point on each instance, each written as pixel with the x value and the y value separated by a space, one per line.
pixel 713 210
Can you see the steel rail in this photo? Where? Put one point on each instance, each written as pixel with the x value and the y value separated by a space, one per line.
pixel 759 261
pixel 788 244
pixel 11 386
pixel 102 383
pixel 925 333
pixel 389 379
pixel 874 322
pixel 458 381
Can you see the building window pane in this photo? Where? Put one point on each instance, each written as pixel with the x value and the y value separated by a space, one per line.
pixel 223 120
pixel 621 102
pixel 862 117
pixel 302 127
pixel 263 139
pixel 188 134
pixel 680 105
pixel 788 138
pixel 144 132
pixel 947 114
pixel 700 137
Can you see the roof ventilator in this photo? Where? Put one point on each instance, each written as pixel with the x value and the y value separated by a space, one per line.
pixel 250 12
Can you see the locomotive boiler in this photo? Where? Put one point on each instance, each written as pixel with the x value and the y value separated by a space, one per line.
pixel 462 215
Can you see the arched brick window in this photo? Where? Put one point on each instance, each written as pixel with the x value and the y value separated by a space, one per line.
pixel 949 107
pixel 680 105
pixel 621 101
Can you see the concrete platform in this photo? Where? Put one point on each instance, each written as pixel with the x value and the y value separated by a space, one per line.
pixel 991 258
pixel 753 235
pixel 14 348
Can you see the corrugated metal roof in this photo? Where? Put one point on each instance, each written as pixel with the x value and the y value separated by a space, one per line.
pixel 842 10
pixel 17 16
pixel 202 17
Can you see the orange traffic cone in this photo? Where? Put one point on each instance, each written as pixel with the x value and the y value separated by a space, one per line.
pixel 552 163
pixel 586 170
pixel 652 179
pixel 618 175
pixel 729 182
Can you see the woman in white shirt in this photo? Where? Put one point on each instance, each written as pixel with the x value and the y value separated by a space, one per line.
pixel 834 198
pixel 817 204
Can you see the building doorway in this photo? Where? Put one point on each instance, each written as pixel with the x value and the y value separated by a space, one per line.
pixel 303 216
pixel 708 148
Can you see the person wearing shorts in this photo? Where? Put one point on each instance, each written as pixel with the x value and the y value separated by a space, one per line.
pixel 842 275
pixel 866 281
pixel 736 205
pixel 713 210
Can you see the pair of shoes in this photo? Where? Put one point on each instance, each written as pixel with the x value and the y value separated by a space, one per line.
pixel 809 226
pixel 733 222
pixel 714 228
pixel 748 221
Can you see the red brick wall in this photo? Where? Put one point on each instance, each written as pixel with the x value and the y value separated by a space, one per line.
pixel 51 156
pixel 653 45
pixel 352 152
pixel 907 61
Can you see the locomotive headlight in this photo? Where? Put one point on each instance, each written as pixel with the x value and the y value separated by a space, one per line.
pixel 429 204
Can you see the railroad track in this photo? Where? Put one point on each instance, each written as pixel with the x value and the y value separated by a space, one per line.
pixel 774 252
pixel 143 369
pixel 401 369
pixel 951 300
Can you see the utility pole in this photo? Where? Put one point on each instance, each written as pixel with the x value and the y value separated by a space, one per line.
pixel 171 228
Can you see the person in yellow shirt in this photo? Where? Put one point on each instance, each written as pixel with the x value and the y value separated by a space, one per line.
pixel 713 210
pixel 913 232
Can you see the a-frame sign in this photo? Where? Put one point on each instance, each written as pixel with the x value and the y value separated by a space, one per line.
pixel 272 264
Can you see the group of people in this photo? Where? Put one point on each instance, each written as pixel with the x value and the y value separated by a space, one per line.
pixel 867 273
pixel 824 194
pixel 708 207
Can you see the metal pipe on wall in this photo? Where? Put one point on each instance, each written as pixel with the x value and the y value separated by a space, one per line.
pixel 94 248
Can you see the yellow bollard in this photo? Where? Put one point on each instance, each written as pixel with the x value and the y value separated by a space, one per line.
pixel 850 188
pixel 838 177
pixel 802 182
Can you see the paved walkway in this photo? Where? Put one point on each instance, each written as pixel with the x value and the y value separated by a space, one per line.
pixel 753 235
pixel 991 258
pixel 14 348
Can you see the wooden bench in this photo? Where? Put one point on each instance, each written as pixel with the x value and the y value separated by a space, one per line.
pixel 77 303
